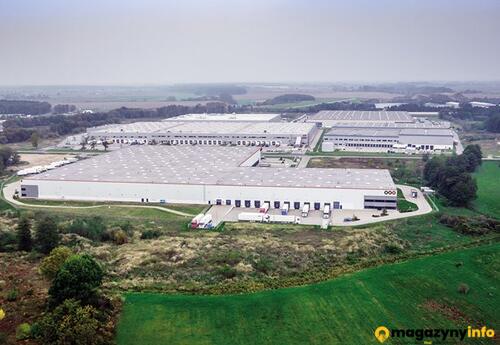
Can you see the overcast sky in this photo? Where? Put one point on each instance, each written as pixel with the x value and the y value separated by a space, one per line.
pixel 165 41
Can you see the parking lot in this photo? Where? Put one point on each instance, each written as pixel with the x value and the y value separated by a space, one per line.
pixel 337 218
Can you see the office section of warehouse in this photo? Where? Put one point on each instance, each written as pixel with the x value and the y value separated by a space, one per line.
pixel 209 175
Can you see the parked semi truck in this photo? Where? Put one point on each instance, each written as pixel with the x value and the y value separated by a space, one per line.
pixel 196 221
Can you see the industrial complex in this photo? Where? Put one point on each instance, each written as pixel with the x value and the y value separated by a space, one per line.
pixel 329 118
pixel 215 117
pixel 383 131
pixel 210 175
pixel 216 159
pixel 260 133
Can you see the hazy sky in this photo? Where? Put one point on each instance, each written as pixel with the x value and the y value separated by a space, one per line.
pixel 164 41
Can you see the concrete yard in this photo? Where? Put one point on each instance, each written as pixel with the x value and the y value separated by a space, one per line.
pixel 230 214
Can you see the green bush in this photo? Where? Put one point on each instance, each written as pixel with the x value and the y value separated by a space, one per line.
pixel 8 241
pixel 23 331
pixel 479 225
pixel 78 278
pixel 54 261
pixel 46 234
pixel 264 265
pixel 150 234
pixel 24 241
pixel 463 288
pixel 92 228
pixel 3 338
pixel 69 323
pixel 115 234
pixel 227 272
pixel 393 249
pixel 11 295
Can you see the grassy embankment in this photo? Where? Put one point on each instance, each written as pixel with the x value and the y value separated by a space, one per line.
pixel 488 193
pixel 421 293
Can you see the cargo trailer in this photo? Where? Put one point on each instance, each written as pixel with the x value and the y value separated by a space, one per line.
pixel 278 218
pixel 305 210
pixel 326 211
pixel 253 217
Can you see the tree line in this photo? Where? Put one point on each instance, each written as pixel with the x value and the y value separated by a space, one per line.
pixel 20 129
pixel 24 107
pixel 452 176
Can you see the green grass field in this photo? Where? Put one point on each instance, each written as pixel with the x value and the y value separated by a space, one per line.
pixel 488 193
pixel 421 293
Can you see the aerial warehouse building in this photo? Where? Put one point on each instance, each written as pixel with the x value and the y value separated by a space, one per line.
pixel 208 133
pixel 210 175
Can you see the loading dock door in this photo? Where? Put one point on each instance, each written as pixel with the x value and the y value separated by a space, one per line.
pixel 317 206
pixel 248 203
pixel 237 203
pixel 336 204
pixel 276 204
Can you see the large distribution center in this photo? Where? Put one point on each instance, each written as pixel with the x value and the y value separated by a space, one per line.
pixel 329 118
pixel 209 175
pixel 383 131
pixel 208 133
pixel 434 139
pixel 233 117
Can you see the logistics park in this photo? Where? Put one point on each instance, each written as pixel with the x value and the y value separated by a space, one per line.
pixel 224 161
pixel 237 238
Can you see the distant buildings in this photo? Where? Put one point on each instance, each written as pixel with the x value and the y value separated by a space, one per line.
pixel 482 104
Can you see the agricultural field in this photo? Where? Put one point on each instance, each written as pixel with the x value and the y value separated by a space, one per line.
pixel 421 293
pixel 488 193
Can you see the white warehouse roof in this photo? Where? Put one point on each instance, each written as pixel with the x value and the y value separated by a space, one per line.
pixel 227 117
pixel 285 128
pixel 208 165
pixel 362 116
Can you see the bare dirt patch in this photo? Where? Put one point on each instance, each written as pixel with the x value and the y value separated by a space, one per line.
pixel 33 159
pixel 23 292
pixel 450 312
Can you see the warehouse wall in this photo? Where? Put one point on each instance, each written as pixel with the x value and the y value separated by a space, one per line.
pixel 196 194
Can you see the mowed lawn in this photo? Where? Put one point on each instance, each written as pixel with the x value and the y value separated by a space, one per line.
pixel 415 294
pixel 488 193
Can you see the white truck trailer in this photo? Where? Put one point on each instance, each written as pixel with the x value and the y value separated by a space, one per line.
pixel 305 210
pixel 251 217
pixel 278 218
pixel 326 212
